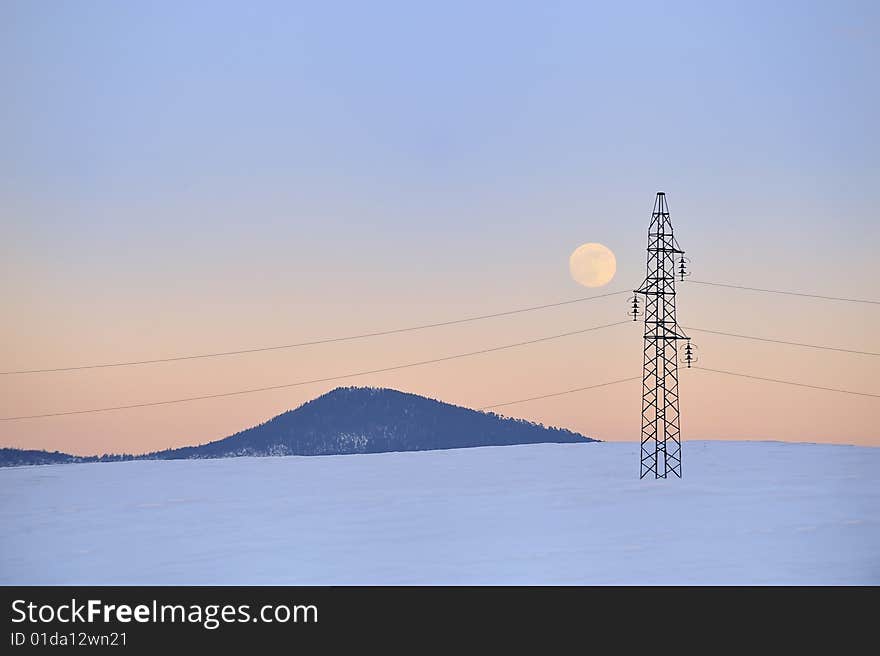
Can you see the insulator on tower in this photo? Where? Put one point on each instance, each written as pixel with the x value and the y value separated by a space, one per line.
pixel 689 354
pixel 682 267
pixel 634 308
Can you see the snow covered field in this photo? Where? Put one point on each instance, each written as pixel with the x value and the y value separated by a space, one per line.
pixel 540 514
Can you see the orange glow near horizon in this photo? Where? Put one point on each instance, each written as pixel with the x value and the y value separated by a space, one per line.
pixel 713 406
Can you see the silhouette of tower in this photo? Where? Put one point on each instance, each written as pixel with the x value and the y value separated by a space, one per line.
pixel 661 431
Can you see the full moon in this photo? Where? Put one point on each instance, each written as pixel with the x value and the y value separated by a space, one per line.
pixel 592 265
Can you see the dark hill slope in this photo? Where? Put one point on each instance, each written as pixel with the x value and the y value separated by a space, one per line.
pixel 370 420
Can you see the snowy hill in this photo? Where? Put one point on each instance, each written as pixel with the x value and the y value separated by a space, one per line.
pixel 24 457
pixel 21 457
pixel 344 421
pixel 746 512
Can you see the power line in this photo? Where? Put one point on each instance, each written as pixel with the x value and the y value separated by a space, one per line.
pixel 571 391
pixel 779 341
pixel 315 380
pixel 788 293
pixel 633 378
pixel 393 331
pixel 787 382
pixel 329 340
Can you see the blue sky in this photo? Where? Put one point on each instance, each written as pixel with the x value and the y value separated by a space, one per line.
pixel 168 169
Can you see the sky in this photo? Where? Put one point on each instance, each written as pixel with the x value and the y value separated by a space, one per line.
pixel 191 177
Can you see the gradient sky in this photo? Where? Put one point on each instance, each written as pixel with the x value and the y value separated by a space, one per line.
pixel 189 177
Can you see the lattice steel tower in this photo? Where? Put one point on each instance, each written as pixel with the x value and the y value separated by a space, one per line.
pixel 661 431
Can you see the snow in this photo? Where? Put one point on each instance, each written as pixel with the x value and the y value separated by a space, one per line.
pixel 746 512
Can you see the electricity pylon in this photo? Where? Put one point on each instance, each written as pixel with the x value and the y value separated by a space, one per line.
pixel 661 431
